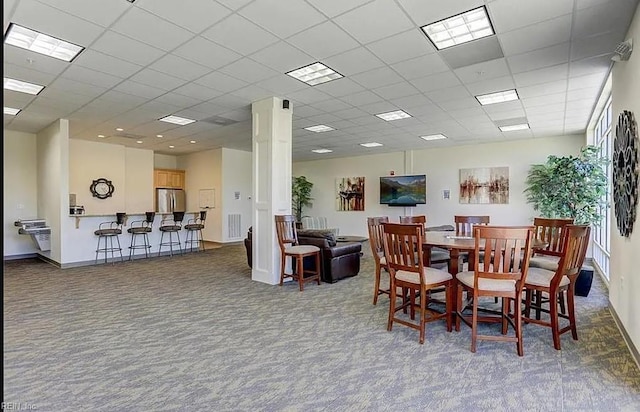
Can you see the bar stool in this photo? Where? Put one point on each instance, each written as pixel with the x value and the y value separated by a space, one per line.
pixel 108 231
pixel 141 228
pixel 171 225
pixel 194 228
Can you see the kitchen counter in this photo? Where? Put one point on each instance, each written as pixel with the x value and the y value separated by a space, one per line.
pixel 129 215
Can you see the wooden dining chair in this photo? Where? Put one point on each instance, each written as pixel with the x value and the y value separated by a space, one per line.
pixel 502 274
pixel 438 255
pixel 550 233
pixel 374 225
pixel 575 241
pixel 465 224
pixel 403 254
pixel 289 247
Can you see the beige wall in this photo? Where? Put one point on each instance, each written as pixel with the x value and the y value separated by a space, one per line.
pixel 161 161
pixel 20 190
pixel 624 283
pixel 441 166
pixel 138 179
pixel 236 178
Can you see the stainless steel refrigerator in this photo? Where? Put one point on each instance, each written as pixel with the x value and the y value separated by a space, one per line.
pixel 170 200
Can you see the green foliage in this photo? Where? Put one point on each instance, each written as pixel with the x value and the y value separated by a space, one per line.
pixel 300 195
pixel 569 186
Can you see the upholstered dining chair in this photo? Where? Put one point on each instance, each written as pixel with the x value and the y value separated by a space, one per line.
pixel 438 255
pixel 502 274
pixel 465 224
pixel 289 247
pixel 403 254
pixel 575 241
pixel 549 232
pixel 374 225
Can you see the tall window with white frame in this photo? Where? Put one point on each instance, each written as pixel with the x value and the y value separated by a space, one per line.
pixel 603 138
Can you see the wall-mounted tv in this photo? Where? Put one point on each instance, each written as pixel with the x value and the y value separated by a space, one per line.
pixel 403 190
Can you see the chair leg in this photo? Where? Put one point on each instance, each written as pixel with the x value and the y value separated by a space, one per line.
pixel 449 305
pixel 160 246
pixel 283 261
pixel 553 313
pixel 423 314
pixel 318 268
pixel 119 248
pixel 527 304
pixel 459 309
pixel 517 314
pixel 376 290
pixel 300 262
pixel 474 324
pixel 572 314
pixel 392 304
pixel 538 304
pixel 505 312
pixel 561 302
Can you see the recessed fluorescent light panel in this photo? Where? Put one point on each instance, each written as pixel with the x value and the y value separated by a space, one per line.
pixel 176 120
pixel 322 151
pixel 11 111
pixel 434 137
pixel 498 97
pixel 462 28
pixel 316 73
pixel 514 127
pixel 372 144
pixel 32 40
pixel 397 115
pixel 23 87
pixel 319 128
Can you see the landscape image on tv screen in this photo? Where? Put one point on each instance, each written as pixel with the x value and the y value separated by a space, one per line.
pixel 403 190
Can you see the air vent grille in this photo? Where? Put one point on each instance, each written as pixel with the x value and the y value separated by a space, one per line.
pixel 221 121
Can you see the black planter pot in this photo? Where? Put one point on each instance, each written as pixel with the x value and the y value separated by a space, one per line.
pixel 583 282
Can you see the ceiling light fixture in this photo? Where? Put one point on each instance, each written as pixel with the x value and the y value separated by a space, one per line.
pixel 319 128
pixel 461 28
pixel 434 137
pixel 159 135
pixel 177 120
pixel 396 115
pixel 192 141
pixel 322 151
pixel 119 129
pixel 514 127
pixel 315 73
pixel 171 147
pixel 32 40
pixel 22 87
pixel 372 144
pixel 11 111
pixel 497 97
pixel 139 141
pixel 101 136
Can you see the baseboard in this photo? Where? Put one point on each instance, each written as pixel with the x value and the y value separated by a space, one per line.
pixel 634 351
pixel 18 257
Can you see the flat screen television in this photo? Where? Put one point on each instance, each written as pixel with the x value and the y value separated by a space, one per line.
pixel 407 190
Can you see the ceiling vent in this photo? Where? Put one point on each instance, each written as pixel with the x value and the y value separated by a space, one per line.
pixel 129 136
pixel 623 51
pixel 220 121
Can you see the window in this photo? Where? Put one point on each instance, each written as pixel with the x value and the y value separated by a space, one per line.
pixel 603 138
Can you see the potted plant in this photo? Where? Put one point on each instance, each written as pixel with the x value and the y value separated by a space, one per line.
pixel 300 195
pixel 570 187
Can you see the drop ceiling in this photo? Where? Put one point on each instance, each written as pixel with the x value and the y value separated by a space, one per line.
pixel 209 60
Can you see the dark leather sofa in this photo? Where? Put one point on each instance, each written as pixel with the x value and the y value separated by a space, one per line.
pixel 339 260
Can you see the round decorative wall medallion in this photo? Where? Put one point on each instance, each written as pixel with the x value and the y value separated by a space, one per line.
pixel 102 188
pixel 626 168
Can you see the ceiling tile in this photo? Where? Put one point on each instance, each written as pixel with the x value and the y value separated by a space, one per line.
pixel 436 11
pixel 220 81
pixel 354 61
pixel 193 15
pixel 179 67
pixel 599 64
pixel 156 79
pixel 334 7
pixel 402 46
pixel 248 70
pixel 282 18
pixel 139 89
pixel 536 36
pixel 377 78
pixel 483 71
pixel 101 62
pixel 84 75
pixel 596 45
pixel 374 21
pixel 450 93
pixel 543 100
pixel 491 86
pixel 603 18
pixel 507 15
pixel 33 61
pixel 206 53
pixel 361 98
pixel 420 66
pixel 282 57
pixel 125 48
pixel 549 56
pixel 240 35
pixel 340 87
pixel 474 52
pixel 28 75
pixel 543 89
pixel 323 40
pixel 545 75
pixel 178 100
pixel 150 29
pixel 234 4
pixel 282 84
pixel 436 81
pixel 393 91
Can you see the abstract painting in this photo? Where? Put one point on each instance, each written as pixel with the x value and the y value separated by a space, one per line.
pixel 350 194
pixel 484 185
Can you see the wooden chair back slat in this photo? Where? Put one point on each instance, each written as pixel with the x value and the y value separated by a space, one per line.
pixel 286 230
pixel 551 233
pixel 506 252
pixel 466 224
pixel 576 241
pixel 374 225
pixel 422 219
pixel 403 247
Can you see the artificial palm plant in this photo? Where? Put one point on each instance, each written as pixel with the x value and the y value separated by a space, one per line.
pixel 300 195
pixel 569 186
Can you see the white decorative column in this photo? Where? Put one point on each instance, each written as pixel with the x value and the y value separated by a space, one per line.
pixel 272 137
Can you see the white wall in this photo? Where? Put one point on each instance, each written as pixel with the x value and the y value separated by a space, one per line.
pixel 138 178
pixel 236 177
pixel 624 283
pixel 161 161
pixel 53 180
pixel 203 170
pixel 441 165
pixel 20 190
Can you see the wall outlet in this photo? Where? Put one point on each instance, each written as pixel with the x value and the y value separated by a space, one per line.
pixel 19 206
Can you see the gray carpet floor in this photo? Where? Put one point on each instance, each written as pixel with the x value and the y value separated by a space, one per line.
pixel 195 333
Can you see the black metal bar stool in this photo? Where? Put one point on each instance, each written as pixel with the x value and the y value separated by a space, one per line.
pixel 107 231
pixel 194 232
pixel 141 228
pixel 171 225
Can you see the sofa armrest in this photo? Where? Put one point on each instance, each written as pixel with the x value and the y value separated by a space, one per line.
pixel 342 249
pixel 315 241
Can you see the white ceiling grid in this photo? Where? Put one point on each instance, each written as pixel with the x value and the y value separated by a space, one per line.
pixel 204 58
